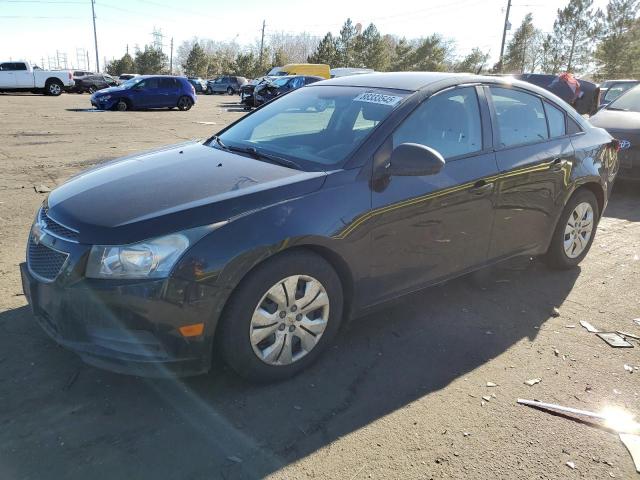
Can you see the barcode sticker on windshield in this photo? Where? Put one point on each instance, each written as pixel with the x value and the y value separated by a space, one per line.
pixel 379 98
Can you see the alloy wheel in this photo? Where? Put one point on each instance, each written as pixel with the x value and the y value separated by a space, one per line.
pixel 55 89
pixel 289 320
pixel 578 230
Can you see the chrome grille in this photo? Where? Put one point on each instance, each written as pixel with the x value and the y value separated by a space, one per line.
pixel 43 261
pixel 54 228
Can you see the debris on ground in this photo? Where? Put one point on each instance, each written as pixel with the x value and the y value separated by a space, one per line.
pixel 556 352
pixel 486 398
pixel 491 384
pixel 533 381
pixel 636 321
pixel 555 312
pixel 571 465
pixel 614 340
pixel 632 442
pixel 570 326
pixel 41 189
pixel 628 368
pixel 589 327
pixel 627 334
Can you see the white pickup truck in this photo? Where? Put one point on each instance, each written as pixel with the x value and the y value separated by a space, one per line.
pixel 21 76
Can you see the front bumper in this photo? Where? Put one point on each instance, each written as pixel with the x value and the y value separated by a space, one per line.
pixel 98 102
pixel 629 164
pixel 129 327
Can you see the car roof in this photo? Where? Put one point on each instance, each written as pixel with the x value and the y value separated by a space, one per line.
pixel 396 80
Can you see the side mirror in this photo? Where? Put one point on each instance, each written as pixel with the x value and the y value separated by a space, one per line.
pixel 412 159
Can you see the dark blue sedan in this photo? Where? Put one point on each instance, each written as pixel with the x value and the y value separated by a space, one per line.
pixel 147 91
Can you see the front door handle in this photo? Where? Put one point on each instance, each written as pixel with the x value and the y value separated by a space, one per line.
pixel 481 187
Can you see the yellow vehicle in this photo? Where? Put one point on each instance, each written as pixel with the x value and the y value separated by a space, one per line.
pixel 318 69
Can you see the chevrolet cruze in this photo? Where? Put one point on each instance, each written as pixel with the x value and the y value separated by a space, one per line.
pixel 259 242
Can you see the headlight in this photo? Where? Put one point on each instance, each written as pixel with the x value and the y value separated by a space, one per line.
pixel 104 98
pixel 149 259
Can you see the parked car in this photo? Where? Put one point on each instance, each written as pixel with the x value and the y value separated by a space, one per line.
pixel 147 91
pixel 127 76
pixel 93 83
pixel 271 89
pixel 621 118
pixel 612 89
pixel 246 91
pixel 198 83
pixel 585 99
pixel 22 76
pixel 228 84
pixel 316 69
pixel 344 194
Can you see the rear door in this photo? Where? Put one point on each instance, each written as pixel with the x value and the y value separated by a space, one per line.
pixel 168 88
pixel 23 76
pixel 430 227
pixel 534 157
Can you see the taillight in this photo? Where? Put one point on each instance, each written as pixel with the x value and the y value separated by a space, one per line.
pixel 70 76
pixel 193 89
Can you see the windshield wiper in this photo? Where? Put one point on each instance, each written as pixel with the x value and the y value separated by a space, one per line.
pixel 618 109
pixel 257 154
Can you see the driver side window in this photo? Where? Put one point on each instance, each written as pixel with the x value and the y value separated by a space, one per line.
pixel 448 122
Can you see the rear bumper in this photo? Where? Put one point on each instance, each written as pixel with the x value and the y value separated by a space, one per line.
pixel 126 328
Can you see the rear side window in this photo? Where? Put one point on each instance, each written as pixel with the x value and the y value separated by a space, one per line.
pixel 555 118
pixel 520 117
pixel 167 83
pixel 573 127
pixel 448 122
pixel 19 66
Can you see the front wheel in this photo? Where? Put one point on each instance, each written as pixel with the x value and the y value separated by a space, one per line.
pixel 281 317
pixel 230 91
pixel 184 103
pixel 92 89
pixel 122 106
pixel 575 231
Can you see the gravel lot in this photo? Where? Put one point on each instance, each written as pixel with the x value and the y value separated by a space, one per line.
pixel 398 396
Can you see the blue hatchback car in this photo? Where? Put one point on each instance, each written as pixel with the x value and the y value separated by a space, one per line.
pixel 147 91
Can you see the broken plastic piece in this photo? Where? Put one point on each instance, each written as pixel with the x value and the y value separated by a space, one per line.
pixel 533 381
pixel 588 326
pixel 626 334
pixel 632 442
pixel 614 340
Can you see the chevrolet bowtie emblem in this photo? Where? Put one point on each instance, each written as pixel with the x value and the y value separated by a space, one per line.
pixel 37 232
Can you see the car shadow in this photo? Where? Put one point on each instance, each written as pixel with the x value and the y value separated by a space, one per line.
pixel 624 201
pixel 63 419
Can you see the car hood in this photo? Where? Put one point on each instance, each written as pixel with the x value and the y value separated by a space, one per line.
pixel 617 121
pixel 171 189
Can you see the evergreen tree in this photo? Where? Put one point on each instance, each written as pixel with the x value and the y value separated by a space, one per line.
pixel 370 50
pixel 575 30
pixel 473 62
pixel 122 65
pixel 196 63
pixel 617 52
pixel 326 52
pixel 431 54
pixel 401 59
pixel 150 61
pixel 522 52
pixel 346 44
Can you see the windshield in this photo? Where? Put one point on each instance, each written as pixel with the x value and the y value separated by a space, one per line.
pixel 131 82
pixel 280 82
pixel 317 127
pixel 629 101
pixel 618 89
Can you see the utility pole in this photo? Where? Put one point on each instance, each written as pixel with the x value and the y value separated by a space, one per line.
pixel 507 26
pixel 171 58
pixel 262 41
pixel 95 35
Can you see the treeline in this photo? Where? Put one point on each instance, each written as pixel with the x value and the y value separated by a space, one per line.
pixel 584 40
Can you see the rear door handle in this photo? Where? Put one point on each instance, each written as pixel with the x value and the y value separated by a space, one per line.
pixel 481 187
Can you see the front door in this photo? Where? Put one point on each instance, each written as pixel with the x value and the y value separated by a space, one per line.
pixel 7 75
pixel 430 227
pixel 147 93
pixel 534 155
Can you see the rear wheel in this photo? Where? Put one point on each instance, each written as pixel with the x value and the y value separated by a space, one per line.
pixel 281 317
pixel 92 89
pixel 184 103
pixel 230 91
pixel 53 87
pixel 575 231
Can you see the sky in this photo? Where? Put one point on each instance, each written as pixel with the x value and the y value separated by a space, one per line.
pixel 38 30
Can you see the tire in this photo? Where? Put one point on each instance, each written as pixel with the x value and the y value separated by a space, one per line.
pixel 230 91
pixel 122 105
pixel 92 89
pixel 184 103
pixel 208 91
pixel 557 256
pixel 233 338
pixel 53 88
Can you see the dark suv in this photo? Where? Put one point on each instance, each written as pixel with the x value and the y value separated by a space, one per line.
pixel 225 84
pixel 93 83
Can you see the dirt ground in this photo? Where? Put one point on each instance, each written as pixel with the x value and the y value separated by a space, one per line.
pixel 398 396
